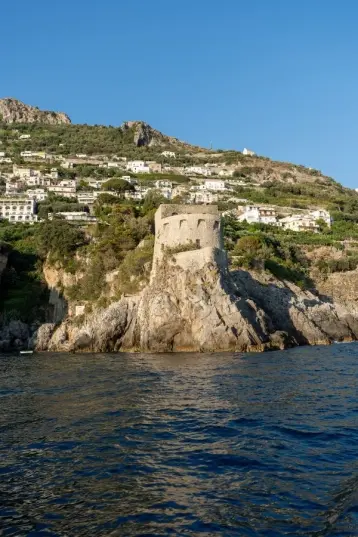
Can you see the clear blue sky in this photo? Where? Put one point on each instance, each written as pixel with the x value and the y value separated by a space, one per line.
pixel 277 76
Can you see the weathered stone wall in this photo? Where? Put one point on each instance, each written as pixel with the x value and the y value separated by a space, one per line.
pixel 182 224
pixel 194 260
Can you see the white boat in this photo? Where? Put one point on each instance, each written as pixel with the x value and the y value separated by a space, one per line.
pixel 26 352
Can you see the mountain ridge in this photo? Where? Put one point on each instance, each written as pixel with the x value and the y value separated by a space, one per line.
pixel 15 111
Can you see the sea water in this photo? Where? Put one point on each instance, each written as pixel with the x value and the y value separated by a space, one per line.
pixel 180 444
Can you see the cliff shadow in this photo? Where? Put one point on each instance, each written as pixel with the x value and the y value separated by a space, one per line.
pixel 278 301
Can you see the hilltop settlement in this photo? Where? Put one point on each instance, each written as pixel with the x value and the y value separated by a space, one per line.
pixel 78 231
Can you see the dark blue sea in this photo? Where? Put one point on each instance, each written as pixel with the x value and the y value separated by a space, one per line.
pixel 180 445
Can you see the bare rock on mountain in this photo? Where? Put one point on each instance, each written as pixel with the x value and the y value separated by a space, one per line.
pixel 145 135
pixel 15 111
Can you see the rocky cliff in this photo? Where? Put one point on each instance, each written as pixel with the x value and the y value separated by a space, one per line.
pixel 14 111
pixel 203 307
pixel 145 135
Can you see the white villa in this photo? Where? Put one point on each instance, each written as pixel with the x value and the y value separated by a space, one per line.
pixel 257 214
pixel 203 196
pixel 198 170
pixel 248 152
pixel 214 184
pixel 74 216
pixel 138 166
pixel 169 154
pixel 306 222
pixel 37 194
pixel 18 209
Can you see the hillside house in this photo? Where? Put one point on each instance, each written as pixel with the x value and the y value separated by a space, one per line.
pixel 248 152
pixel 226 173
pixel 18 209
pixel 66 192
pixel 197 170
pixel 37 194
pixel 214 184
pixel 12 188
pixel 2 153
pixel 138 166
pixel 168 154
pixel 87 198
pixel 25 137
pixel 74 216
pixel 254 214
pixel 203 196
pixel 322 214
pixel 5 160
pixel 37 180
pixel 138 194
pixel 163 184
pixel 299 222
pixel 155 167
pixel 23 173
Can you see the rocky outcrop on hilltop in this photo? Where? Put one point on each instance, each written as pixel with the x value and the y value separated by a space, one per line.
pixel 15 111
pixel 206 309
pixel 145 135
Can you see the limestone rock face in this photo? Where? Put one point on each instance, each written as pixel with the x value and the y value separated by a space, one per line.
pixel 145 135
pixel 208 309
pixel 14 111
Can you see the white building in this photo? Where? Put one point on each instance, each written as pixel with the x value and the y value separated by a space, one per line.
pixel 23 173
pixel 68 183
pixel 18 210
pixel 226 173
pixel 169 154
pixel 198 170
pixel 166 193
pixel 163 184
pixel 138 166
pixel 138 194
pixel 12 188
pixel 74 216
pixel 322 214
pixel 248 152
pixel 113 165
pixel 299 222
pixel 2 153
pixel 66 192
pixel 37 194
pixel 87 198
pixel 24 137
pixel 5 160
pixel 37 181
pixel 203 196
pixel 95 183
pixel 215 184
pixel 254 214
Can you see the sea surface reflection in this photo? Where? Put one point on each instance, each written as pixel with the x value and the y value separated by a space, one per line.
pixel 189 444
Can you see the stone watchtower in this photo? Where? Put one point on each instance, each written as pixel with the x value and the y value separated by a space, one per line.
pixel 180 225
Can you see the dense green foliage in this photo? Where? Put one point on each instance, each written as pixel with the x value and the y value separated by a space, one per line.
pixel 23 292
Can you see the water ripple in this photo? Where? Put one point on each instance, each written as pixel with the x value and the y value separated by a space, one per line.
pixel 182 445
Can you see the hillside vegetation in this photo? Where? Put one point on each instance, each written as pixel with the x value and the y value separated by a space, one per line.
pixel 121 243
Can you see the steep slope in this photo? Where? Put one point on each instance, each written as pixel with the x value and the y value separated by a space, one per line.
pixel 15 111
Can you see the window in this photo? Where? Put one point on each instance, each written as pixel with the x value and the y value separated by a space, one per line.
pixel 197 243
pixel 182 223
pixel 216 225
pixel 201 223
